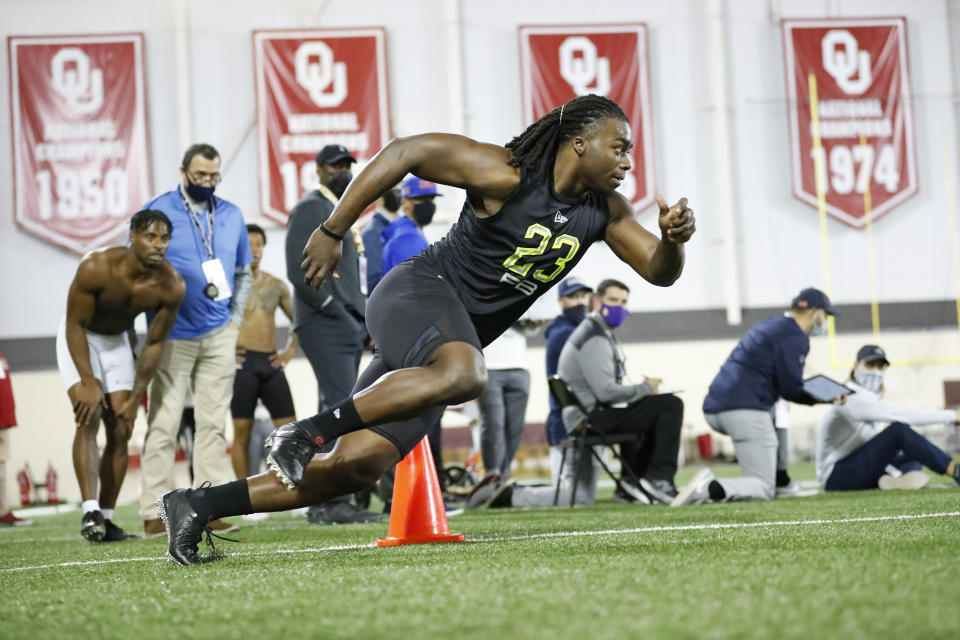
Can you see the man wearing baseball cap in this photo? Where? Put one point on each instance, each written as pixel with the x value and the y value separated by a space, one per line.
pixel 766 364
pixel 868 442
pixel 329 321
pixel 403 238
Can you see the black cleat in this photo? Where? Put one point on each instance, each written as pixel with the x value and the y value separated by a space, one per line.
pixel 291 450
pixel 185 528
pixel 92 526
pixel 116 534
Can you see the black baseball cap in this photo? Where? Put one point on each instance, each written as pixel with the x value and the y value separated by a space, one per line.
pixel 571 286
pixel 872 353
pixel 811 298
pixel 334 153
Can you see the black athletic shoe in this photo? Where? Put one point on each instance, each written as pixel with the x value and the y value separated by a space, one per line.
pixel 92 526
pixel 185 528
pixel 116 534
pixel 291 450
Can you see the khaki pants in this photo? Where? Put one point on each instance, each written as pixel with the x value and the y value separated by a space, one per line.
pixel 206 363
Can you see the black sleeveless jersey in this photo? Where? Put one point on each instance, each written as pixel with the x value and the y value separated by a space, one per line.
pixel 501 264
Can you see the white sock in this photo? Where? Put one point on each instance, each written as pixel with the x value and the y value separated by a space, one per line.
pixel 107 514
pixel 90 505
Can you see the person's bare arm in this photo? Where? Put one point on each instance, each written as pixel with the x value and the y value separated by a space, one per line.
pixel 482 169
pixel 81 303
pixel 157 333
pixel 660 262
pixel 281 359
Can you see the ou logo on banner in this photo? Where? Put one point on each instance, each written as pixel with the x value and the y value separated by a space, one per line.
pixel 73 79
pixel 317 76
pixel 843 60
pixel 580 65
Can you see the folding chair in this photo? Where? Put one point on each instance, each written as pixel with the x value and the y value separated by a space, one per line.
pixel 586 438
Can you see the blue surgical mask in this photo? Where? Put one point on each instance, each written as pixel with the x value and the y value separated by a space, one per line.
pixel 613 315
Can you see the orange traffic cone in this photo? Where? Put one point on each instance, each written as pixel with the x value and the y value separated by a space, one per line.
pixel 418 515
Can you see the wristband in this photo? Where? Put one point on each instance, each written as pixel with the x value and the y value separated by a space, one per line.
pixel 330 233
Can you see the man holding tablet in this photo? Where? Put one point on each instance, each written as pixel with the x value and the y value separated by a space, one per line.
pixel 766 364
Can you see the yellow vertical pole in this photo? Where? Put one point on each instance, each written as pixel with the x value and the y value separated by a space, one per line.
pixel 871 254
pixel 820 176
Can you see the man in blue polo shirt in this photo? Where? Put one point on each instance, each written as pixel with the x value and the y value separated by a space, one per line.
pixel 209 247
pixel 766 364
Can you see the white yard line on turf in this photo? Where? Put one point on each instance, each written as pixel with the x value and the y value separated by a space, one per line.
pixel 532 536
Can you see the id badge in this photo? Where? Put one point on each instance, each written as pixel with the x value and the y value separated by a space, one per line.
pixel 215 275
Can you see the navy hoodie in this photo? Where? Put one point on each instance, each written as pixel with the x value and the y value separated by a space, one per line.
pixel 556 334
pixel 766 364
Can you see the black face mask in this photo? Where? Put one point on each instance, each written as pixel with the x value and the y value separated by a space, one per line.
pixel 198 193
pixel 391 200
pixel 423 213
pixel 339 181
pixel 576 314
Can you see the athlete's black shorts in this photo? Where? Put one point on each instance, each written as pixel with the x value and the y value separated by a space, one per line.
pixel 412 312
pixel 258 379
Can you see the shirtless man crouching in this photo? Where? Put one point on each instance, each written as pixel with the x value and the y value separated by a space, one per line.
pixel 111 288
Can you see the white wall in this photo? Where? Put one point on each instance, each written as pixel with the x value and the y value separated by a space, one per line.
pixel 779 245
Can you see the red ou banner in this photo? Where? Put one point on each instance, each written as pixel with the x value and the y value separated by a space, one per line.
pixel 558 64
pixel 81 157
pixel 864 115
pixel 316 87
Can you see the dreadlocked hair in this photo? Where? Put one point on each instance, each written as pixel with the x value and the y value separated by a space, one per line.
pixel 536 148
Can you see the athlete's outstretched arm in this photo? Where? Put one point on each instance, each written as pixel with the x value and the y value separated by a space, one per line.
pixel 453 160
pixel 660 262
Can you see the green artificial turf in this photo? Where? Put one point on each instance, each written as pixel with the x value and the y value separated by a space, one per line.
pixel 606 571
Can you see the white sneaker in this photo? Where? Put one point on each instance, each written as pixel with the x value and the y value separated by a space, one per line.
pixel 789 491
pixel 909 480
pixel 696 491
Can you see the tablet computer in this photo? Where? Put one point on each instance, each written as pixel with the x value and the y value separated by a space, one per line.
pixel 825 389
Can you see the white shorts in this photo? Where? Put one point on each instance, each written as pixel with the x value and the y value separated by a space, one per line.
pixel 111 360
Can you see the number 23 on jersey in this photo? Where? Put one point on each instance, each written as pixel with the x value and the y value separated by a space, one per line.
pixel 566 244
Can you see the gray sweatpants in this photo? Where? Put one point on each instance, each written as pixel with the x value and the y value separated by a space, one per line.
pixel 755 443
pixel 537 497
pixel 503 409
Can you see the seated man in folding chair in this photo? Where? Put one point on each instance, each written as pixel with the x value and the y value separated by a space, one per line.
pixel 593 366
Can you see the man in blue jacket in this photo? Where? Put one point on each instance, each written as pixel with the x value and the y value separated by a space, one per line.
pixel 766 364
pixel 403 238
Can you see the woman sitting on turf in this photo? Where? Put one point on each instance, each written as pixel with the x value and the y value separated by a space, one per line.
pixel 855 450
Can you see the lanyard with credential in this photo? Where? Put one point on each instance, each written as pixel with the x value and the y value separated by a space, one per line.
pixel 207 243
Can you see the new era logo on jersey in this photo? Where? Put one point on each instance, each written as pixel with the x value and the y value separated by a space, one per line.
pixel 559 218
pixel 336 413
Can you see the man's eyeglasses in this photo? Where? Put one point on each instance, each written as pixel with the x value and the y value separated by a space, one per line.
pixel 198 177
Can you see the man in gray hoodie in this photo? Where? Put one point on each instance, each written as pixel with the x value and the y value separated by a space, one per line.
pixel 594 367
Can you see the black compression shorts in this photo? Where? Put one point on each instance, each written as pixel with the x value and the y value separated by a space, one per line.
pixel 257 379
pixel 412 312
